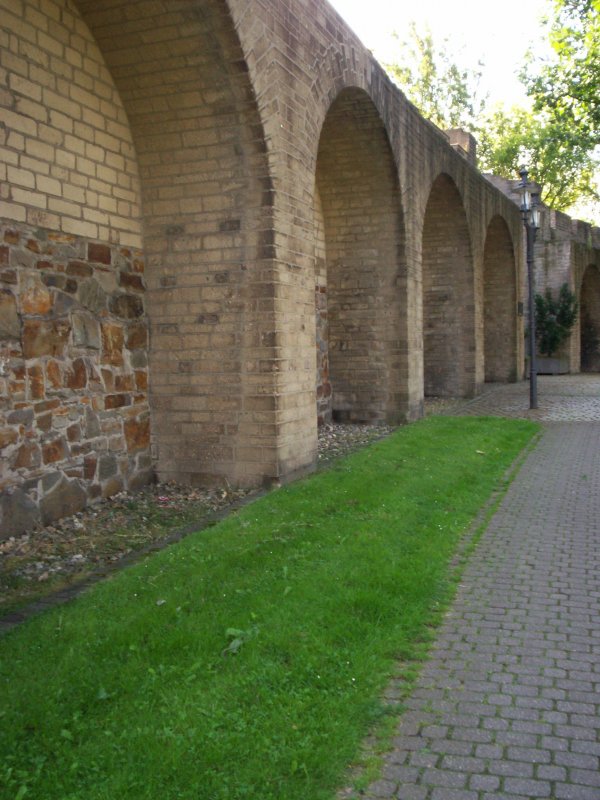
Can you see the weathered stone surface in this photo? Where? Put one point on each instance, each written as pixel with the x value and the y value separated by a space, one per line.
pixel 116 401
pixel 8 436
pixel 126 306
pixel 140 479
pixel 124 383
pixel 63 303
pixel 137 434
pixel 112 486
pixel 131 280
pixel 66 498
pixel 137 336
pixel 35 297
pixel 80 269
pixel 112 344
pixel 44 337
pixel 28 456
pixel 54 451
pixel 86 330
pixel 92 424
pixel 100 253
pixel 37 386
pixel 89 467
pixel 44 422
pixel 92 296
pixel 76 377
pixel 10 324
pixel 54 374
pixel 107 466
pixel 74 433
pixel 18 513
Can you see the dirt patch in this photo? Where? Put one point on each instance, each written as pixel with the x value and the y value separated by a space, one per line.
pixel 43 561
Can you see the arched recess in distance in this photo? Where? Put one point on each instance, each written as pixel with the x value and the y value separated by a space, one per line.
pixel 360 277
pixel 207 213
pixel 499 303
pixel 589 319
pixel 448 294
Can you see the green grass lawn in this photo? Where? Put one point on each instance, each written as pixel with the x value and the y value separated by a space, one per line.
pixel 248 660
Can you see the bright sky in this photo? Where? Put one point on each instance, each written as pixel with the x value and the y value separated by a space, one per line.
pixel 497 33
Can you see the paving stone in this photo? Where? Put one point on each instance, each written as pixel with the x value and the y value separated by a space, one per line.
pixel 522 639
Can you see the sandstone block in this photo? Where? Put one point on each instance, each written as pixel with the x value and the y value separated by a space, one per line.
pixel 92 296
pixel 137 336
pixel 10 324
pixel 37 387
pixel 8 436
pixel 86 330
pixel 76 377
pixel 54 451
pixel 44 337
pixel 35 297
pixel 28 456
pixel 107 466
pixel 112 344
pixel 100 253
pixel 18 513
pixel 137 434
pixel 126 306
pixel 66 498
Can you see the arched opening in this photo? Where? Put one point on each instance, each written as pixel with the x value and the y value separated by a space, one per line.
pixel 500 303
pixel 448 295
pixel 590 320
pixel 360 268
pixel 208 238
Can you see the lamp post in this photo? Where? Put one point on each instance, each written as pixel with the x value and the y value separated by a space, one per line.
pixel 531 219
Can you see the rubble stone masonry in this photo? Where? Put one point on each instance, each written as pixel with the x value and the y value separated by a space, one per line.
pixel 74 415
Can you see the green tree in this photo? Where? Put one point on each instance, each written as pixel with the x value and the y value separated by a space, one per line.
pixel 557 154
pixel 445 93
pixel 554 318
pixel 557 140
pixel 566 85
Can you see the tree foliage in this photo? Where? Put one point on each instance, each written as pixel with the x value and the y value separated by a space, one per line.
pixel 566 85
pixel 444 92
pixel 557 155
pixel 554 318
pixel 558 140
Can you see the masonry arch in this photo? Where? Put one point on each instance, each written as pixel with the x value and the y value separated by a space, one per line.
pixel 360 274
pixel 207 199
pixel 448 294
pixel 499 303
pixel 589 317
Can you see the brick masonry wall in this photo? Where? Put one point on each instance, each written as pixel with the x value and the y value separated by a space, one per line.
pixel 74 415
pixel 364 245
pixel 589 322
pixel 199 131
pixel 66 155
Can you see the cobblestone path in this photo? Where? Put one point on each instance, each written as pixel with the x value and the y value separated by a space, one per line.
pixel 508 706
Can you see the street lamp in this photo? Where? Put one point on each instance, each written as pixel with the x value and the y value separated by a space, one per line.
pixel 530 211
